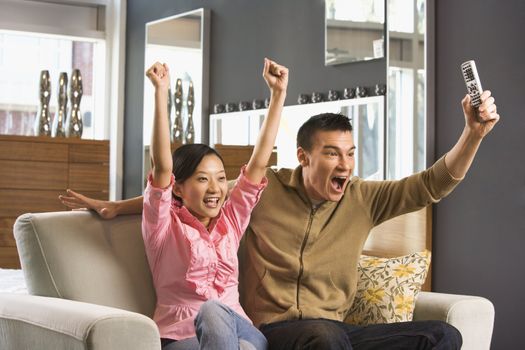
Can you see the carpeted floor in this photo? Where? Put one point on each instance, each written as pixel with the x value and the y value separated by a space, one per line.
pixel 12 281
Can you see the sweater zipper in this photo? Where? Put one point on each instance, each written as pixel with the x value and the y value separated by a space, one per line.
pixel 301 265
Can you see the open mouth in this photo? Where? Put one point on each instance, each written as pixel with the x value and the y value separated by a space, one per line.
pixel 211 202
pixel 338 182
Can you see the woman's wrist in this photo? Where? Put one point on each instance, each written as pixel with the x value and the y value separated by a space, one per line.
pixel 278 94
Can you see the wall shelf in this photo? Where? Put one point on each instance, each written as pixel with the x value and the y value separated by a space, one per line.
pixel 367 115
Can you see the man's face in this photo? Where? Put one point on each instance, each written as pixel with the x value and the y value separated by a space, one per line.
pixel 328 166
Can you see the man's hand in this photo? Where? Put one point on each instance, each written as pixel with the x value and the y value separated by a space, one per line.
pixel 480 122
pixel 76 201
pixel 275 75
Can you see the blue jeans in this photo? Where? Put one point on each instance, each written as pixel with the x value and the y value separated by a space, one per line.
pixel 219 327
pixel 328 334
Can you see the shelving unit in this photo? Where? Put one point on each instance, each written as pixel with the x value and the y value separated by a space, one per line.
pixel 35 170
pixel 367 115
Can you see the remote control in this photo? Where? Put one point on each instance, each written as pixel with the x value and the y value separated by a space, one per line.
pixel 470 74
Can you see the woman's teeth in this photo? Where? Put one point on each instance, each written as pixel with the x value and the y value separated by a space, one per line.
pixel 211 202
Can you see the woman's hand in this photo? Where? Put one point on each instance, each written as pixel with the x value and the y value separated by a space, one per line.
pixel 159 75
pixel 275 75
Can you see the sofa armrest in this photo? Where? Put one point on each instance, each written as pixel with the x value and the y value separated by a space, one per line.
pixel 473 316
pixel 34 322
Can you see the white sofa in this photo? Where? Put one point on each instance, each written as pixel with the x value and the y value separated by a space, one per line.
pixel 90 288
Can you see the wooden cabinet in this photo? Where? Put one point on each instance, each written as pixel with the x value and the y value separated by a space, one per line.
pixel 236 156
pixel 35 170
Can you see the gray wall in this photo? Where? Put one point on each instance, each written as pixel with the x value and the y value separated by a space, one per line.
pixel 242 34
pixel 479 231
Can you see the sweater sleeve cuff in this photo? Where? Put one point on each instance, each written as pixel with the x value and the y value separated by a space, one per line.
pixel 442 174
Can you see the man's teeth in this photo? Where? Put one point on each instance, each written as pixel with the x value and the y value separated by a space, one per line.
pixel 340 180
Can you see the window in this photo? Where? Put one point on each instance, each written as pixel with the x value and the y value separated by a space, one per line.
pixel 406 105
pixel 57 36
pixel 25 55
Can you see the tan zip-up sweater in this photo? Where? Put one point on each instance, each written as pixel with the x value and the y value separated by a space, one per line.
pixel 299 262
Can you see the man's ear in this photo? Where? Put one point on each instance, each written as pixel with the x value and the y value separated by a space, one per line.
pixel 302 157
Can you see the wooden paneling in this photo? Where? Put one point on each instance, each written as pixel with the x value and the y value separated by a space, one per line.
pixel 33 175
pixel 9 258
pixel 102 195
pixel 6 232
pixel 14 203
pixel 35 151
pixel 402 235
pixel 175 145
pixel 232 172
pixel 88 154
pixel 88 177
pixel 236 156
pixel 35 170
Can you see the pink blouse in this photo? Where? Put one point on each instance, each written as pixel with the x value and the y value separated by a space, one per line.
pixel 190 264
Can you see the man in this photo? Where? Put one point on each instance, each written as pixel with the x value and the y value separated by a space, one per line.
pixel 299 257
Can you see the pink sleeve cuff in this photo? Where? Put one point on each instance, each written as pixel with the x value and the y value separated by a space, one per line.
pixel 156 210
pixel 246 184
pixel 158 193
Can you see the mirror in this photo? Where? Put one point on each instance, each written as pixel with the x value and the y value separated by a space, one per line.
pixel 406 87
pixel 182 42
pixel 354 30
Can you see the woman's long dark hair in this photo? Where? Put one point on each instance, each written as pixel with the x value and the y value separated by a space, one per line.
pixel 187 158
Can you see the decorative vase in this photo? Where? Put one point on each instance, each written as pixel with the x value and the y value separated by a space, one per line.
pixel 59 122
pixel 218 108
pixel 170 104
pixel 42 121
pixel 231 107
pixel 348 93
pixel 74 126
pixel 176 129
pixel 244 106
pixel 303 99
pixel 189 137
pixel 333 95
pixel 380 89
pixel 317 97
pixel 360 91
pixel 257 104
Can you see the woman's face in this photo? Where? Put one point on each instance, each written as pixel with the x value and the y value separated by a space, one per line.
pixel 204 192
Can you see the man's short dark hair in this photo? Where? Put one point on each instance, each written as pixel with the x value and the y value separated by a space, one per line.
pixel 321 122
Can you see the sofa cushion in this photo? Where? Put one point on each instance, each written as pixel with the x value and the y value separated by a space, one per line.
pixel 387 288
pixel 77 255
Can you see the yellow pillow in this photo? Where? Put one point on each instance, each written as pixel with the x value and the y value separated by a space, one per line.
pixel 387 288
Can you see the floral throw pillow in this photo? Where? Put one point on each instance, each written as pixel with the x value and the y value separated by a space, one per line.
pixel 387 288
